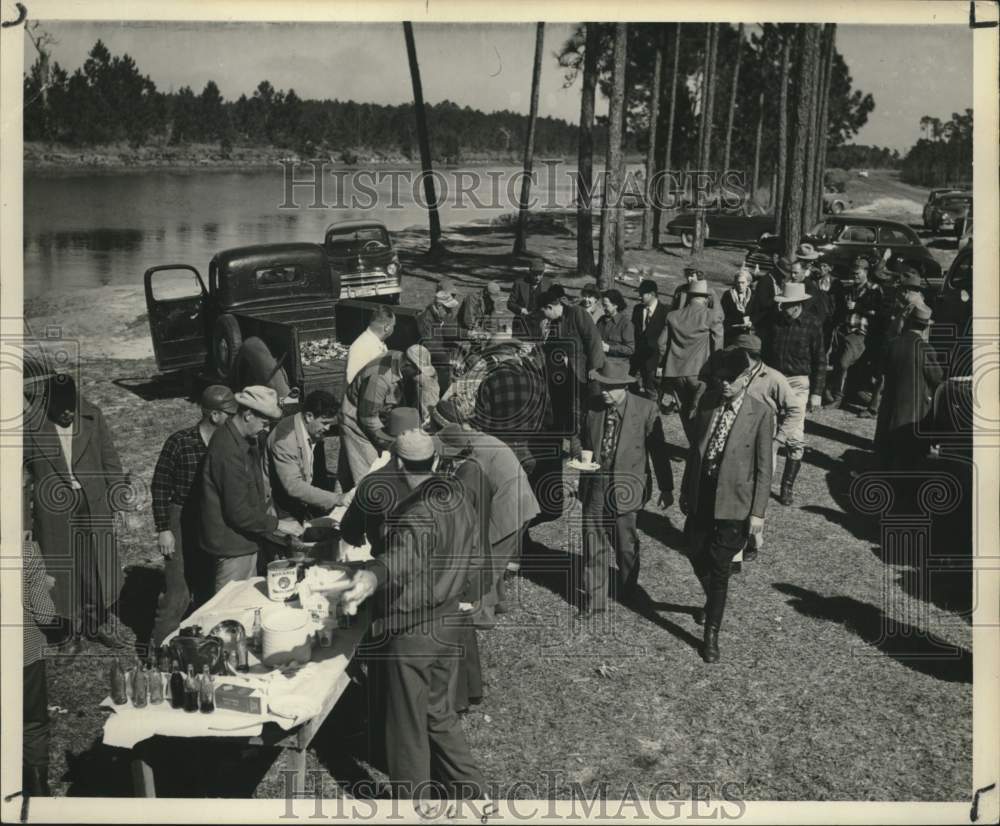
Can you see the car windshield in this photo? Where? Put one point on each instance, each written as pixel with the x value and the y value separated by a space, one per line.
pixel 350 242
pixel 826 231
pixel 954 203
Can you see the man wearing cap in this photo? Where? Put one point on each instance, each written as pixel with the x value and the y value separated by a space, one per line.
pixel 680 296
pixel 793 344
pixel 726 486
pixel 572 348
pixel 624 431
pixel 477 313
pixel 291 451
pixel 767 385
pixel 437 323
pixel 431 542
pixel 649 317
pixel 862 301
pixel 236 520
pixel 176 490
pixel 911 376
pixel 370 345
pixel 393 380
pixel 689 338
pixel 526 294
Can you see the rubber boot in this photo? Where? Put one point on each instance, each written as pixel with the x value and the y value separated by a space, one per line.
pixel 788 480
pixel 710 650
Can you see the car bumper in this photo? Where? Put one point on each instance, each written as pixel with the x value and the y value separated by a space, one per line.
pixel 367 290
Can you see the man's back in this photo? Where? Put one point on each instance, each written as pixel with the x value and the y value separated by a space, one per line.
pixel 691 335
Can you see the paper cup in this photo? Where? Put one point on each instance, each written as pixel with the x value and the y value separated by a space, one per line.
pixel 587 457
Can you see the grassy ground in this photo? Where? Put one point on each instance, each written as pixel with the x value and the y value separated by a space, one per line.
pixel 823 692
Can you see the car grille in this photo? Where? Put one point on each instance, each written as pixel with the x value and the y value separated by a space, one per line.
pixel 368 279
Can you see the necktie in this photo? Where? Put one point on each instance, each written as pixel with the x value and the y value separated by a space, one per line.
pixel 645 318
pixel 713 456
pixel 609 441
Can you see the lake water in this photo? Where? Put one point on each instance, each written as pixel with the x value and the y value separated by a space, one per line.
pixel 106 228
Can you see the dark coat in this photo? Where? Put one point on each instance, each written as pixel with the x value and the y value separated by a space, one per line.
pixel 732 316
pixel 640 439
pixel 744 484
pixel 105 489
pixel 619 334
pixel 525 296
pixel 765 288
pixel 646 340
pixel 578 344
pixel 910 379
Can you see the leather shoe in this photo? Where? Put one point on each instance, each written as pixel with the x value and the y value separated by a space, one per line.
pixel 749 553
pixel 710 649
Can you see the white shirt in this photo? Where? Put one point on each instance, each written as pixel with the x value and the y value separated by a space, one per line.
pixel 66 441
pixel 366 347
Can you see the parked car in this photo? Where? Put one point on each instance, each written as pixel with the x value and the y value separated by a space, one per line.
pixel 862 173
pixel 835 203
pixel 842 238
pixel 284 296
pixel 932 198
pixel 947 211
pixel 361 253
pixel 740 225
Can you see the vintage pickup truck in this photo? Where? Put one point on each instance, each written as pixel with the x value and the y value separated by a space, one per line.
pixel 268 314
pixel 361 253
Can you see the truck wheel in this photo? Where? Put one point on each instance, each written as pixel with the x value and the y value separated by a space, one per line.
pixel 226 342
pixel 837 207
pixel 687 239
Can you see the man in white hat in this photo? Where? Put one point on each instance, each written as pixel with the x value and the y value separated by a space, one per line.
pixel 236 520
pixel 432 541
pixel 793 345
pixel 690 336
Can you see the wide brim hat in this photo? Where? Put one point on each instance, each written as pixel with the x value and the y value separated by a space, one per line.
pixel 263 400
pixel 699 287
pixel 446 299
pixel 745 341
pixel 793 293
pixel 421 357
pixel 414 445
pixel 806 252
pixel 614 373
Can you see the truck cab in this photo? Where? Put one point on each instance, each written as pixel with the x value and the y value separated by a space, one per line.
pixel 362 256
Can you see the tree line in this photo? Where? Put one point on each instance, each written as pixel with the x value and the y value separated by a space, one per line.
pixel 943 155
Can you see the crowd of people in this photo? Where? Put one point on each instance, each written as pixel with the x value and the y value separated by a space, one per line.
pixel 444 482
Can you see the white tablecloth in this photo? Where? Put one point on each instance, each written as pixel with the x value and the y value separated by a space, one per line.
pixel 301 695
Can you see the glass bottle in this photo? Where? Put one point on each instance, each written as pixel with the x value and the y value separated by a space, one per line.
pixel 190 690
pixel 257 631
pixel 155 684
pixel 206 691
pixel 140 686
pixel 176 686
pixel 242 656
pixel 163 660
pixel 119 695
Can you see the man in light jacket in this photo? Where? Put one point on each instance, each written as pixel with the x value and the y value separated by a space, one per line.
pixel 370 345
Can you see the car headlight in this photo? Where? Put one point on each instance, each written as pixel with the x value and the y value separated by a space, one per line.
pixel 393 268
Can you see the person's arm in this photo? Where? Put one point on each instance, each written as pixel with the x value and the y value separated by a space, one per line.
pixel 37 598
pixel 933 370
pixel 428 395
pixel 285 461
pixel 762 470
pixel 370 403
pixel 788 404
pixel 626 346
pixel 241 509
pixel 353 527
pixel 715 329
pixel 162 485
pixel 663 342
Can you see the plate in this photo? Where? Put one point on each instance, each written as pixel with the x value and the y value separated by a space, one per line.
pixel 578 465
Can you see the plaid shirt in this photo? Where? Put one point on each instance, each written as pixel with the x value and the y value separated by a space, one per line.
pixel 38 606
pixel 512 399
pixel 794 346
pixel 868 302
pixel 177 471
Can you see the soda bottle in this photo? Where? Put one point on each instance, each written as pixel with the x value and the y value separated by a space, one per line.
pixel 242 656
pixel 176 686
pixel 190 690
pixel 119 695
pixel 163 660
pixel 140 686
pixel 257 632
pixel 155 685
pixel 206 691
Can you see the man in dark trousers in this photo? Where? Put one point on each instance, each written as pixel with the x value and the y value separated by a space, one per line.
pixel 236 518
pixel 432 540
pixel 911 376
pixel 572 348
pixel 525 299
pixel 624 432
pixel 648 318
pixel 727 483
pixel 176 492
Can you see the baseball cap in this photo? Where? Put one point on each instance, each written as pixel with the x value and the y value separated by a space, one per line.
pixel 218 397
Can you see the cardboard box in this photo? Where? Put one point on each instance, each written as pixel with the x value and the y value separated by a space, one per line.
pixel 242 698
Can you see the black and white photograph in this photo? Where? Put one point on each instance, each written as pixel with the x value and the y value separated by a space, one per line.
pixel 445 412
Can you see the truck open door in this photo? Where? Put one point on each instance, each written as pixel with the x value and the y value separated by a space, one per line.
pixel 176 302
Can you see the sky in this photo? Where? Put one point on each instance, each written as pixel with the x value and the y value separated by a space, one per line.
pixel 910 70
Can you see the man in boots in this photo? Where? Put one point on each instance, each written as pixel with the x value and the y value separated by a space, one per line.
pixel 727 483
pixel 793 345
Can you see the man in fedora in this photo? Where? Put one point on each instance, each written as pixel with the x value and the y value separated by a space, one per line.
pixel 176 490
pixel 727 484
pixel 793 344
pixel 648 319
pixel 690 336
pixel 766 286
pixel 237 522
pixel 680 296
pixel 625 433
pixel 911 376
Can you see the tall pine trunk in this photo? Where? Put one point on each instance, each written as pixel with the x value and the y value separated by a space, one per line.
pixel 732 98
pixel 668 151
pixel 812 140
pixel 829 44
pixel 651 215
pixel 423 140
pixel 755 181
pixel 778 196
pixel 612 212
pixel 708 106
pixel 585 156
pixel 529 143
pixel 791 219
pixel 620 224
